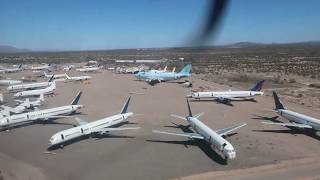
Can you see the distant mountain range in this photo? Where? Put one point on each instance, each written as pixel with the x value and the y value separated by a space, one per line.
pixel 11 49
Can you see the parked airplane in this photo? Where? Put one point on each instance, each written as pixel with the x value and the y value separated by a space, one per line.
pixel 154 77
pixel 102 126
pixel 88 69
pixel 43 67
pixel 227 96
pixel 6 82
pixel 215 138
pixel 26 104
pixel 56 76
pixel 295 119
pixel 21 87
pixel 44 115
pixel 37 92
pixel 11 70
pixel 78 78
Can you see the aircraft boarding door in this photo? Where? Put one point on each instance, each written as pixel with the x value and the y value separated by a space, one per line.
pixel 81 131
pixel 62 137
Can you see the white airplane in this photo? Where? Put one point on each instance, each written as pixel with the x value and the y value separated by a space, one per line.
pixel 98 127
pixel 11 70
pixel 26 104
pixel 201 131
pixel 37 92
pixel 88 69
pixel 56 76
pixel 21 87
pixel 6 82
pixel 44 115
pixel 78 78
pixel 296 120
pixel 44 67
pixel 227 96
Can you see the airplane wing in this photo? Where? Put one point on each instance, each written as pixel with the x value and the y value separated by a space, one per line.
pixel 189 135
pixel 226 131
pixel 178 117
pixel 80 121
pixel 53 117
pixel 290 125
pixel 105 130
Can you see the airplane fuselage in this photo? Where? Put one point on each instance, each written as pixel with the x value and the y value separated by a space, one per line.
pixel 163 76
pixel 233 94
pixel 86 129
pixel 20 87
pixel 36 92
pixel 37 115
pixel 9 82
pixel 217 143
pixel 299 118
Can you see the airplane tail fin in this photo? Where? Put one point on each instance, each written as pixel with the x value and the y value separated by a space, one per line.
pixel 174 69
pixel 51 79
pixel 125 107
pixel 186 70
pixel 77 98
pixel 258 86
pixel 189 109
pixel 277 101
pixel 165 69
pixel 20 66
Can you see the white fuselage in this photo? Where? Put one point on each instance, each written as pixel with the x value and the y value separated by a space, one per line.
pixel 9 82
pixel 89 69
pixel 86 129
pixel 37 115
pixel 36 92
pixel 299 118
pixel 217 143
pixel 80 78
pixel 230 94
pixel 21 87
pixel 40 67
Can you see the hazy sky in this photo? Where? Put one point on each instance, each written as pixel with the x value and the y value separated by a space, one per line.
pixel 110 24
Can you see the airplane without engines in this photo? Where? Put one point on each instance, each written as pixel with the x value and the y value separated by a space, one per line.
pixel 202 132
pixel 43 67
pixel 37 92
pixel 88 69
pixel 12 70
pixel 30 86
pixel 78 78
pixel 103 126
pixel 228 96
pixel 43 115
pixel 296 120
pixel 6 82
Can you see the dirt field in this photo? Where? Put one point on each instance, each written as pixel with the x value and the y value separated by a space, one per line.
pixel 142 154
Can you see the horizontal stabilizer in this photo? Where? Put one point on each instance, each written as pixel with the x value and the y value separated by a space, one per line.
pixel 189 135
pixel 80 121
pixel 199 115
pixel 289 125
pixel 226 131
pixel 178 117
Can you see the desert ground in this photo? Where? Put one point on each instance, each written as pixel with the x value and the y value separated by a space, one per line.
pixel 263 151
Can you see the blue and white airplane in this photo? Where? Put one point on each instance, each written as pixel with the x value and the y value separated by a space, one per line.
pixel 154 77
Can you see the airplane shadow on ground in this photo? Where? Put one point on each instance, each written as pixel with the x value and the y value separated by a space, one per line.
pixel 291 130
pixel 204 146
pixel 224 103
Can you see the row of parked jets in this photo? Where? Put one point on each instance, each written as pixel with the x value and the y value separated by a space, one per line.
pixel 215 138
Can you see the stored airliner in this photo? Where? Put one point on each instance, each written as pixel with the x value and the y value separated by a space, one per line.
pixel 102 126
pixel 44 115
pixel 201 131
pixel 296 120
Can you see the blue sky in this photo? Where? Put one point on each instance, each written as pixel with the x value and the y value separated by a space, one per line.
pixel 112 24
